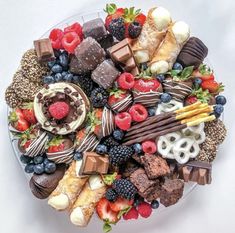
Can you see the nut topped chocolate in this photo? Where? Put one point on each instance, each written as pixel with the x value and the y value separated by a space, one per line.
pixel 61 108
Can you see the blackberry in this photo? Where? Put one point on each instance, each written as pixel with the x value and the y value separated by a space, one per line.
pixel 111 195
pixel 85 82
pixel 134 30
pixel 117 28
pixel 99 97
pixel 110 142
pixel 120 154
pixel 125 188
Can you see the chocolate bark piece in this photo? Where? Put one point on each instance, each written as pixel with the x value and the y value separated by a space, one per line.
pixel 155 166
pixel 172 191
pixel 88 55
pixel 43 185
pixel 94 164
pixel 105 74
pixel 94 28
pixel 44 50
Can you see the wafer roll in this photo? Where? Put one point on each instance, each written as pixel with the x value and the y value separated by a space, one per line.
pixel 84 207
pixel 165 56
pixel 68 189
pixel 152 34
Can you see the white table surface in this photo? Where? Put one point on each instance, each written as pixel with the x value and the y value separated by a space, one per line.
pixel 208 209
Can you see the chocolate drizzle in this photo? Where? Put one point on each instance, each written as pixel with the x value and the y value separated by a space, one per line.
pixel 107 122
pixel 89 143
pixel 65 156
pixel 148 99
pixel 123 104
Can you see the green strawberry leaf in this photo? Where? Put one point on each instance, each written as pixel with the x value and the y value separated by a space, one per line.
pixel 124 211
pixel 110 9
pixel 202 95
pixel 107 227
pixel 116 92
pixel 109 179
pixel 205 70
pixel 130 14
pixel 56 141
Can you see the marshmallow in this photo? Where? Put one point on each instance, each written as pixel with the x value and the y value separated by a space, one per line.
pixel 59 202
pixel 161 17
pixel 181 31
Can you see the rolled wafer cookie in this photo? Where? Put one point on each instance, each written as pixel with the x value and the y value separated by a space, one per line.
pixel 68 189
pixel 84 206
pixel 166 54
pixel 152 34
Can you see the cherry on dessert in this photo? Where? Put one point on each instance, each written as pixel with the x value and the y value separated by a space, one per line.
pixel 149 147
pixel 70 41
pixel 56 36
pixel 138 112
pixel 126 81
pixel 123 120
pixel 59 110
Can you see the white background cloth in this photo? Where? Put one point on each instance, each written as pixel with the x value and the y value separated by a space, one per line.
pixel 208 209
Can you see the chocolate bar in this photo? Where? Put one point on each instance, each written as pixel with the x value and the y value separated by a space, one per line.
pixel 196 171
pixel 44 50
pixel 123 55
pixel 94 28
pixel 105 74
pixel 94 164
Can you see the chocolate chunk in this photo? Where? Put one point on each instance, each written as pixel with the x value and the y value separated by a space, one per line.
pixel 105 74
pixel 155 166
pixel 88 55
pixel 107 42
pixel 172 191
pixel 44 50
pixel 94 28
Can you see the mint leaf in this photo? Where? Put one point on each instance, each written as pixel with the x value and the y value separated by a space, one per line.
pixel 107 227
pixel 186 73
pixel 122 212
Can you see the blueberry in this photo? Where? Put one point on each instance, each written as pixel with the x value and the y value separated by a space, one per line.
pixel 144 66
pixel 46 161
pixel 77 156
pixel 154 204
pixel 56 68
pixel 197 82
pixel 48 79
pixel 165 98
pixel 151 111
pixel 220 99
pixel 25 159
pixel 68 77
pixel 218 108
pixel 51 63
pixel 177 66
pixel 50 167
pixel 64 60
pixel 39 168
pixel 160 77
pixel 101 149
pixel 217 115
pixel 58 77
pixel 118 134
pixel 64 73
pixel 38 159
pixel 29 168
pixel 137 148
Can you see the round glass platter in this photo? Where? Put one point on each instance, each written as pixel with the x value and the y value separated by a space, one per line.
pixel 81 18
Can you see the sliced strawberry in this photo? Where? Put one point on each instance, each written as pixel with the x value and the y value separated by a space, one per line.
pixel 191 100
pixel 141 18
pixel 146 85
pixel 212 86
pixel 28 113
pixel 120 204
pixel 76 27
pixel 104 211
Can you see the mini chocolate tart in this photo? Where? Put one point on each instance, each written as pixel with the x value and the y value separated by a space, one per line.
pixel 72 95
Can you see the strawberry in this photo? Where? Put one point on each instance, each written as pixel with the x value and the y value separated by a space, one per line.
pixel 144 209
pixel 146 85
pixel 141 18
pixel 55 145
pixel 131 214
pixel 17 120
pixel 116 95
pixel 95 120
pixel 204 73
pixel 28 113
pixel 191 100
pixel 105 212
pixel 212 86
pixel 123 120
pixel 120 204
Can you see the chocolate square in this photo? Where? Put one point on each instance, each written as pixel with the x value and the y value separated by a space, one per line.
pixel 44 50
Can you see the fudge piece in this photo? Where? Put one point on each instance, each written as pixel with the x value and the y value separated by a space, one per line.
pixel 155 166
pixel 105 74
pixel 94 28
pixel 172 191
pixel 193 53
pixel 88 55
pixel 129 167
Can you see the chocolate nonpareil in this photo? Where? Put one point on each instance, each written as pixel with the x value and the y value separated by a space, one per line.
pixel 44 50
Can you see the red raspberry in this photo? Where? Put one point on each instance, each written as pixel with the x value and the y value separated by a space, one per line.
pixel 59 110
pixel 149 147
pixel 56 36
pixel 131 214
pixel 138 112
pixel 123 120
pixel 144 209
pixel 126 81
pixel 70 41
pixel 76 27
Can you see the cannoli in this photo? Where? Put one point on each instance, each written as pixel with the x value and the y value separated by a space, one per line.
pixel 84 207
pixel 152 34
pixel 165 56
pixel 68 189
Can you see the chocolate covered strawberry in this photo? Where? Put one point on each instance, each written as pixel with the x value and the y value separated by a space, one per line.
pixel 147 91
pixel 28 113
pixel 17 120
pixel 119 100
